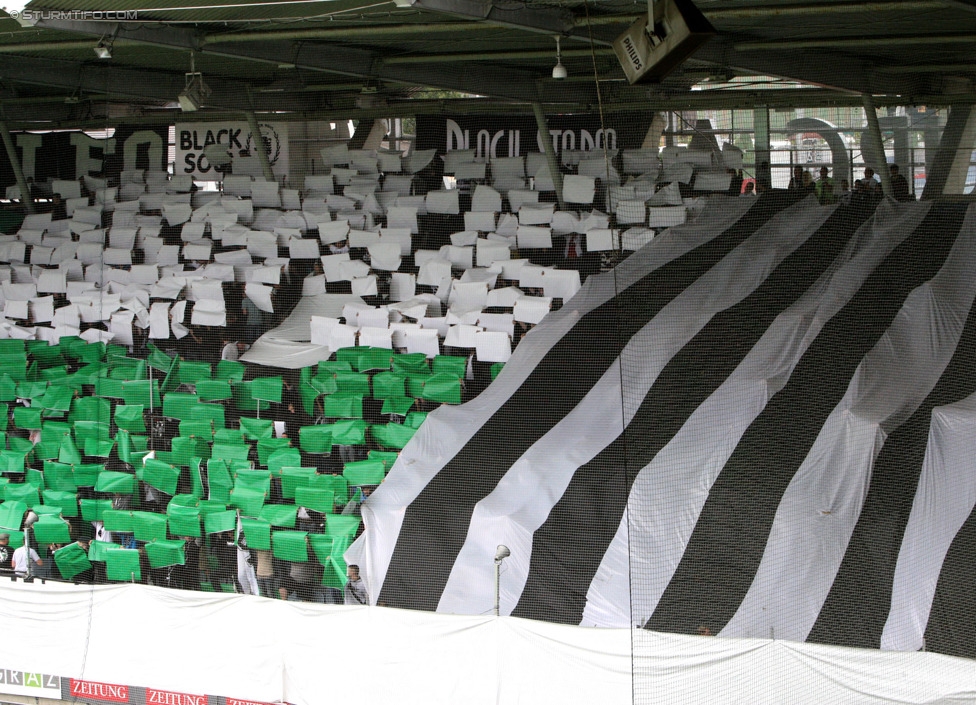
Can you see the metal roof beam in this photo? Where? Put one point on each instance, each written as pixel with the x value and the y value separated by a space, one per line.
pixel 499 82
pixel 849 72
pixel 543 20
pixel 138 84
pixel 718 14
pixel 859 42
pixel 494 56
pixel 398 30
pixel 825 8
pixel 534 19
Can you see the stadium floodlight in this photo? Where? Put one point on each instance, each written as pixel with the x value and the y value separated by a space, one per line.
pixel 103 50
pixel 501 553
pixel 194 93
pixel 654 45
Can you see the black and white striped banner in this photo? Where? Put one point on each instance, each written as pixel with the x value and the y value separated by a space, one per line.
pixel 759 423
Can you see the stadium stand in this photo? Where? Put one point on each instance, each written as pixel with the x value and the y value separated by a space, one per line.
pixel 463 350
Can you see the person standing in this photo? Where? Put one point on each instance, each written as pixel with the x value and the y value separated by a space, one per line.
pixel 5 552
pixel 899 185
pixel 824 187
pixel 21 562
pixel 355 592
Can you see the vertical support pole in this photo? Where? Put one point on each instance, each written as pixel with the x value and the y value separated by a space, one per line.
pixel 652 139
pixel 252 122
pixel 27 528
pixel 498 586
pixel 152 417
pixel 877 143
pixel 557 176
pixel 953 158
pixel 760 126
pixel 25 194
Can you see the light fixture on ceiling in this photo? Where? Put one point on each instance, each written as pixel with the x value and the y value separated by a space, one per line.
pixel 194 92
pixel 103 50
pixel 559 71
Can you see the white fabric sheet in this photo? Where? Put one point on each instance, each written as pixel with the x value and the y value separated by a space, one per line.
pixel 943 502
pixel 276 658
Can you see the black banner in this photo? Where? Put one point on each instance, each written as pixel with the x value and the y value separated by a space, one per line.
pixel 516 135
pixel 68 155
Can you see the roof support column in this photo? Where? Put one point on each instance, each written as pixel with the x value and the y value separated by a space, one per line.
pixel 652 140
pixel 252 122
pixel 25 194
pixel 760 127
pixel 557 175
pixel 877 144
pixel 951 162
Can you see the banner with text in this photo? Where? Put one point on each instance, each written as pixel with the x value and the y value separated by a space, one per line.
pixel 497 136
pixel 72 153
pixel 194 138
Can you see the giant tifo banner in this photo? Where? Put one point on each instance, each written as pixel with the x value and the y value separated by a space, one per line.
pixel 45 156
pixel 771 435
pixel 192 138
pixel 497 136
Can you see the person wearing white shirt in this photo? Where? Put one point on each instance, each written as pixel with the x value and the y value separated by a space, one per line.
pixel 20 560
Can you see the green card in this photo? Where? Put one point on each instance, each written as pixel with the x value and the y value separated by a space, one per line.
pixel 257 533
pixel 283 515
pixel 163 553
pixel 148 526
pixel 130 418
pixel 218 522
pixel 290 545
pixel 71 560
pixel 122 564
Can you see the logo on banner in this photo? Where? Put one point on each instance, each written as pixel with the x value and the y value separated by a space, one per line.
pixel 40 685
pixel 270 141
pixel 166 697
pixel 102 691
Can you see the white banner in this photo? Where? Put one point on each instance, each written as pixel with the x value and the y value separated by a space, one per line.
pixel 192 138
pixel 411 657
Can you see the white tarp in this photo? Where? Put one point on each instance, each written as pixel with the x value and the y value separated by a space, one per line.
pixel 261 650
pixel 289 345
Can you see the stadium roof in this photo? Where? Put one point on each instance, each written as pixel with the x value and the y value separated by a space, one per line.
pixel 350 58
